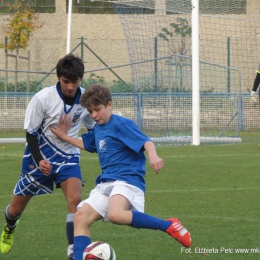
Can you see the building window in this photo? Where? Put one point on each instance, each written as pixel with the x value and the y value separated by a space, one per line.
pixel 89 7
pixel 104 7
pixel 38 6
pixel 208 6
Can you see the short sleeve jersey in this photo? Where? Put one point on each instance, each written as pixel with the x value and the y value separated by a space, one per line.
pixel 44 110
pixel 119 144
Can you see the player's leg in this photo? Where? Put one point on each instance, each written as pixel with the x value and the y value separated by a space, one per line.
pixel 31 182
pixel 171 226
pixel 120 212
pixel 13 213
pixel 72 192
pixel 84 217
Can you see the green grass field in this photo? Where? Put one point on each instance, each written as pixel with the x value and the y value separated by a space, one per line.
pixel 213 190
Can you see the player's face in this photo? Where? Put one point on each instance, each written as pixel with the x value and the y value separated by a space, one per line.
pixel 68 87
pixel 100 114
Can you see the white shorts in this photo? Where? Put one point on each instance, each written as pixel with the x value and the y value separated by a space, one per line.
pixel 99 197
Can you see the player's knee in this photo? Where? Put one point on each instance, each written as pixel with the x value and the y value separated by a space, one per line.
pixel 79 217
pixel 14 212
pixel 74 199
pixel 114 217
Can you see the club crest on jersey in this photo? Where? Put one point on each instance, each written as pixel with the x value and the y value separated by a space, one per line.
pixel 102 146
pixel 76 118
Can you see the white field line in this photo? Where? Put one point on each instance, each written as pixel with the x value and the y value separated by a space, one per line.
pixel 21 156
pixel 203 190
pixel 167 156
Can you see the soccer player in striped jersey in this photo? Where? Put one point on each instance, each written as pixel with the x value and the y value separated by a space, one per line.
pixel 119 194
pixel 48 159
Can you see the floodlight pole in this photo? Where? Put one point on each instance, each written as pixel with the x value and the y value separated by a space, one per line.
pixel 69 26
pixel 195 74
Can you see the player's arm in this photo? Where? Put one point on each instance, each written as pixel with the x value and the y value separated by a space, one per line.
pixel 155 162
pixel 33 145
pixel 256 82
pixel 253 92
pixel 62 130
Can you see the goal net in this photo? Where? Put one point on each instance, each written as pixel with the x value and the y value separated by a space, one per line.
pixel 158 35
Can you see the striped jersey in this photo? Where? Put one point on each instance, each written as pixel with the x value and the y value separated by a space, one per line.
pixel 44 110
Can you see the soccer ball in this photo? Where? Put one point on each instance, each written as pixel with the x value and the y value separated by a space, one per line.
pixel 99 251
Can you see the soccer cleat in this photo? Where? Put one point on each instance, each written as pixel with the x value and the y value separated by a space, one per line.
pixel 179 233
pixel 70 252
pixel 7 238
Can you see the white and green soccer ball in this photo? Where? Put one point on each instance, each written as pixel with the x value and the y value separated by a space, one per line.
pixel 99 251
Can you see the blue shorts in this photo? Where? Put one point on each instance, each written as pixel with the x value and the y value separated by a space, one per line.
pixel 35 183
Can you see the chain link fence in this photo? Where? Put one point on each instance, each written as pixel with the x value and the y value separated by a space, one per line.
pixel 164 112
pixel 41 61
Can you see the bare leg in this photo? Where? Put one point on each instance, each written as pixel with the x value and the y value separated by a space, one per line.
pixel 17 206
pixel 118 210
pixel 84 217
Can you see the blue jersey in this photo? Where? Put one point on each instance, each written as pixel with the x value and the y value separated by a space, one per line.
pixel 120 147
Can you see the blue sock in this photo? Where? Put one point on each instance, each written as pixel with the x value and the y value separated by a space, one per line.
pixel 142 220
pixel 80 243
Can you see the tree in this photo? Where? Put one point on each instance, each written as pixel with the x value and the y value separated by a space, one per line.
pixel 19 28
pixel 179 30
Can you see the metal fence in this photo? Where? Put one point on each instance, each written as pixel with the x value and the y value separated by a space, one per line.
pixel 166 117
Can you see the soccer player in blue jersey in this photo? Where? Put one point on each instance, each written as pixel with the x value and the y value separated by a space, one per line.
pixel 48 159
pixel 119 194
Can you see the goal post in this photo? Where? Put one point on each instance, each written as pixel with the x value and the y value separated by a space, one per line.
pixel 195 74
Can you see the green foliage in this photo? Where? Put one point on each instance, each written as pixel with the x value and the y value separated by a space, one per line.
pixel 92 79
pixel 20 26
pixel 2 84
pixel 117 86
pixel 180 28
pixel 34 86
pixel 177 39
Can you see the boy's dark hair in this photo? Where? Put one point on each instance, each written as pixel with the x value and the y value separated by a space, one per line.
pixel 95 95
pixel 71 67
